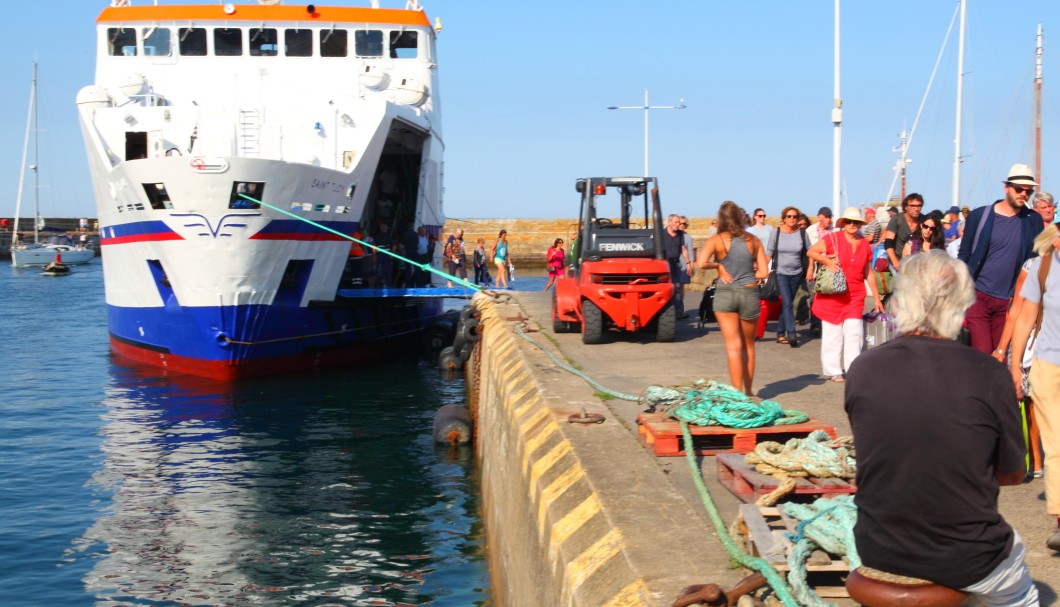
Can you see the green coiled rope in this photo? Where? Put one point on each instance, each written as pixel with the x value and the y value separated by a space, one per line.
pixel 709 403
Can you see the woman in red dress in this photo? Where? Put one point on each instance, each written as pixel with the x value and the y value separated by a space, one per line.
pixel 842 331
pixel 554 261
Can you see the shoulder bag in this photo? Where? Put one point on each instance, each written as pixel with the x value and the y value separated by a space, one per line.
pixel 829 282
pixel 770 290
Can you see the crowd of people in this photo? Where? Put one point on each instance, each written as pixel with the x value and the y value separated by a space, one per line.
pixel 982 276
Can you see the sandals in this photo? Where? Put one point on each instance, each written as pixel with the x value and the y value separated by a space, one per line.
pixel 782 340
pixel 839 379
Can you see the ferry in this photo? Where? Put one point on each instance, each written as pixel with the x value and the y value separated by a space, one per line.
pixel 234 149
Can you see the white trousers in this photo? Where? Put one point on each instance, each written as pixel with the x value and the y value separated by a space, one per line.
pixel 840 345
pixel 1008 585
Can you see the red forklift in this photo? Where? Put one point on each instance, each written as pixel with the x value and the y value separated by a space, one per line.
pixel 618 277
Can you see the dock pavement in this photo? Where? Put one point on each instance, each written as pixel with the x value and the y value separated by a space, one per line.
pixel 791 376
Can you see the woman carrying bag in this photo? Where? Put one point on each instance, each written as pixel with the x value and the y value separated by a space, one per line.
pixel 840 309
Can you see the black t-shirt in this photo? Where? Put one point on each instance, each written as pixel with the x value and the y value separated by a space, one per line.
pixel 672 245
pixel 902 233
pixel 933 422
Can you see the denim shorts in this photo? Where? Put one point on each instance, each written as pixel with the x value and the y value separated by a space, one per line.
pixel 742 299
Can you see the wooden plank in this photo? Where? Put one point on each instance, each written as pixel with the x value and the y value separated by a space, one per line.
pixel 663 435
pixel 767 529
pixel 748 485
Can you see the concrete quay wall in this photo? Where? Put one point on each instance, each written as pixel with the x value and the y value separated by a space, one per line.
pixel 576 515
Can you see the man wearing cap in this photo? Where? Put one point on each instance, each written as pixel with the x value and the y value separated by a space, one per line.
pixel 965 211
pixel 998 238
pixel 873 228
pixel 949 223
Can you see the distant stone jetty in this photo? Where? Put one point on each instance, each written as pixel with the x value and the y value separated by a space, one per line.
pixel 529 239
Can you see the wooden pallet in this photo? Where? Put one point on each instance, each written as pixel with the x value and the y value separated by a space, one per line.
pixel 663 435
pixel 765 537
pixel 745 483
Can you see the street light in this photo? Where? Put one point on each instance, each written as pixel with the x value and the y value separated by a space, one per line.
pixel 647 107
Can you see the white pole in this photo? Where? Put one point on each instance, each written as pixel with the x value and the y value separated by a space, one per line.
pixel 956 201
pixel 646 107
pixel 837 121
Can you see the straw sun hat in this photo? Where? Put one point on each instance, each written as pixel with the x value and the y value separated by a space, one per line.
pixel 851 214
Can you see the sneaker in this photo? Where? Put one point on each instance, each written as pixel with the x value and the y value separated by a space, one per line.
pixel 1053 543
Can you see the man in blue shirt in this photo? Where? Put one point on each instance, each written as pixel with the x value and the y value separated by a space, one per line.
pixel 998 238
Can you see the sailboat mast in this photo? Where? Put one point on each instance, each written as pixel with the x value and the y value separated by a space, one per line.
pixel 837 122
pixel 25 151
pixel 960 96
pixel 1038 107
pixel 36 153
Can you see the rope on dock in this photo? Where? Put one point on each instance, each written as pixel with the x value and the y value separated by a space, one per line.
pixel 710 403
pixel 827 524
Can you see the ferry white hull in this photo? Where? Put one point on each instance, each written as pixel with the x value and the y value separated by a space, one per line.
pixel 200 279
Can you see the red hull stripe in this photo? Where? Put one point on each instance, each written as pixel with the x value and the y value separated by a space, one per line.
pixel 224 370
pixel 297 236
pixel 155 237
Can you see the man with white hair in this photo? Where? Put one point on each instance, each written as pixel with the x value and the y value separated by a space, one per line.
pixel 998 238
pixel 928 501
pixel 1046 207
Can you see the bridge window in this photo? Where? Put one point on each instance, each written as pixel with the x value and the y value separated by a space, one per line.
pixel 263 42
pixel 368 43
pixel 228 42
pixel 254 189
pixel 157 196
pixel 403 45
pixel 121 42
pixel 193 41
pixel 333 43
pixel 298 43
pixel 157 42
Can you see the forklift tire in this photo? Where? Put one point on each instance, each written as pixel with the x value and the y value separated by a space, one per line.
pixel 558 326
pixel 666 324
pixel 593 327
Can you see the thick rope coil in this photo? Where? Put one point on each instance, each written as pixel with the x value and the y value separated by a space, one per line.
pixel 709 403
pixel 827 524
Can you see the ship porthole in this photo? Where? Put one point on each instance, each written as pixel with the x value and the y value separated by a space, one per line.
pixel 222 339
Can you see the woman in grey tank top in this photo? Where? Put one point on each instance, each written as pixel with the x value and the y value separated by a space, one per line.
pixel 741 262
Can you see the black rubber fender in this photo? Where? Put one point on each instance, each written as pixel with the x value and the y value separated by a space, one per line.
pixel 468 331
pixel 449 359
pixel 452 425
pixel 467 312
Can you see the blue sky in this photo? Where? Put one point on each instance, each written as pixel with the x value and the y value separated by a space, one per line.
pixel 525 87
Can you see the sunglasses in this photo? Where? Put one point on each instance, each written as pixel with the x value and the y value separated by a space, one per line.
pixel 759 215
pixel 1021 190
pixel 913 206
pixel 791 217
pixel 927 227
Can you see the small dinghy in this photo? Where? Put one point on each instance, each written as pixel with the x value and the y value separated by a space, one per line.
pixel 56 269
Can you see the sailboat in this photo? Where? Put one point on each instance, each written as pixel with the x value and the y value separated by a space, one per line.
pixel 59 249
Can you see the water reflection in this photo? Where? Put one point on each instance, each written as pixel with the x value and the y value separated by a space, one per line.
pixel 308 490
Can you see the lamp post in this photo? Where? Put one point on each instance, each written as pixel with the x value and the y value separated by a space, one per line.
pixel 647 107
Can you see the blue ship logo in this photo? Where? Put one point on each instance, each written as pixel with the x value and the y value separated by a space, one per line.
pixel 225 225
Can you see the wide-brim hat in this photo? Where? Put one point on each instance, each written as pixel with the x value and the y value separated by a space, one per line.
pixel 1021 174
pixel 851 214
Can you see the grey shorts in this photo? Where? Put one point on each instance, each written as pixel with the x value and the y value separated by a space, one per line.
pixel 744 300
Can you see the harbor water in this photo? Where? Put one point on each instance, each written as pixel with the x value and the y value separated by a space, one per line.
pixel 124 486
